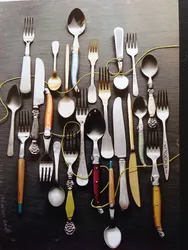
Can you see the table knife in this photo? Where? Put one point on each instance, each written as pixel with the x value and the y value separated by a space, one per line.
pixel 133 171
pixel 38 99
pixel 120 149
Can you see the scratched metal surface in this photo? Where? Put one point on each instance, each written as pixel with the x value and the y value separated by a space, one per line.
pixel 41 226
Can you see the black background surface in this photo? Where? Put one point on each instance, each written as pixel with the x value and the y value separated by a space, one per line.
pixel 41 226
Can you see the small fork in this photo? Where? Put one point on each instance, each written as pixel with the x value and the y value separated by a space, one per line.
pixel 81 114
pixel 23 135
pixel 70 153
pixel 153 152
pixel 28 38
pixel 93 56
pixel 132 50
pixel 107 150
pixel 163 114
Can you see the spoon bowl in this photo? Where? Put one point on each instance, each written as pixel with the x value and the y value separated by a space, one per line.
pixel 76 22
pixel 121 82
pixel 149 66
pixel 56 196
pixel 140 107
pixel 112 237
pixel 66 107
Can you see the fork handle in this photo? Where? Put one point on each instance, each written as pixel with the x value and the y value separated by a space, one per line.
pixel 21 177
pixel 74 69
pixel 157 210
pixel 25 83
pixel 135 82
pixel 165 153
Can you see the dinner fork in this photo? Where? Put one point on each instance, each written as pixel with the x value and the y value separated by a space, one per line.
pixel 81 114
pixel 28 37
pixel 93 56
pixel 153 152
pixel 23 135
pixel 132 50
pixel 107 150
pixel 163 114
pixel 70 154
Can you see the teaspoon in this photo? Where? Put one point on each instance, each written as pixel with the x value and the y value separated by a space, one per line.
pixel 140 110
pixel 76 26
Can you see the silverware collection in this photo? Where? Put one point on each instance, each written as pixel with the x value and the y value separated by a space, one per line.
pixel 93 124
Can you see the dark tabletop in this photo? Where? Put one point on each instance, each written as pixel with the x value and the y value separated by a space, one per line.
pixel 41 226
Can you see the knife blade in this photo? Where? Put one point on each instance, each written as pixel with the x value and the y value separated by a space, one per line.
pixel 133 171
pixel 120 148
pixel 38 99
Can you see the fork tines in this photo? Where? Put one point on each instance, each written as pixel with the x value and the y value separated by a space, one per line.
pixel 28 26
pixel 93 46
pixel 82 102
pixel 131 40
pixel 71 142
pixel 152 138
pixel 162 99
pixel 23 121
pixel 104 78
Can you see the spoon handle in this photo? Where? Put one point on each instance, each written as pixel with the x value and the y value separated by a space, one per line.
pixel 75 63
pixel 141 142
pixel 151 103
pixel 57 149
pixel 55 50
pixel 10 150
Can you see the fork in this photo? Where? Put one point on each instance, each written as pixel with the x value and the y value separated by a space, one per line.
pixel 28 37
pixel 153 152
pixel 81 114
pixel 23 135
pixel 70 153
pixel 93 56
pixel 107 150
pixel 163 114
pixel 132 50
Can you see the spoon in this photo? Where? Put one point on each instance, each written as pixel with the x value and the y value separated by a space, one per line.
pixel 66 105
pixel 76 26
pixel 140 110
pixel 120 81
pixel 56 195
pixel 95 128
pixel 54 82
pixel 14 102
pixel 149 68
pixel 112 234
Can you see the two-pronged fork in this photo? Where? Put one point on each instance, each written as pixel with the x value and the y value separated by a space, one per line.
pixel 107 150
pixel 28 37
pixel 92 57
pixel 153 152
pixel 81 114
pixel 23 135
pixel 163 114
pixel 132 50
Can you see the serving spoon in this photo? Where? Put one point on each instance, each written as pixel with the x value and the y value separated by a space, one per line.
pixel 76 26
pixel 56 195
pixel 14 102
pixel 149 68
pixel 54 82
pixel 112 234
pixel 66 105
pixel 140 110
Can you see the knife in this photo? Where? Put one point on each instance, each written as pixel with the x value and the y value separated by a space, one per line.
pixel 133 171
pixel 38 99
pixel 120 148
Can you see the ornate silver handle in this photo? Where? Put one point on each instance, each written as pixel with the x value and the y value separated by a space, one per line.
pixel 151 103
pixel 123 193
pixel 34 148
pixel 141 141
pixel 165 153
pixel 75 62
pixel 10 150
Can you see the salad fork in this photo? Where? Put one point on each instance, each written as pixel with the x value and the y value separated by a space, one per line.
pixel 81 114
pixel 163 114
pixel 153 152
pixel 107 150
pixel 132 50
pixel 28 37
pixel 93 56
pixel 23 135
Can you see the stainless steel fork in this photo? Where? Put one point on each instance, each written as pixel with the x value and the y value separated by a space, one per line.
pixel 81 114
pixel 23 135
pixel 163 114
pixel 153 152
pixel 70 153
pixel 93 56
pixel 107 150
pixel 28 37
pixel 132 50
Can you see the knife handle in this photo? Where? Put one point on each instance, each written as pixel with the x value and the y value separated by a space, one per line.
pixel 157 210
pixel 111 196
pixel 35 125
pixel 119 40
pixel 49 110
pixel 123 193
pixel 96 183
pixel 25 82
